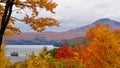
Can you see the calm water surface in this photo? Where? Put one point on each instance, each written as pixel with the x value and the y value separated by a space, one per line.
pixel 23 51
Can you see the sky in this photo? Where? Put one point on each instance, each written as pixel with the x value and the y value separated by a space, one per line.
pixel 77 13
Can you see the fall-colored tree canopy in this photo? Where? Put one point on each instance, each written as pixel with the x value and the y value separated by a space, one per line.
pixel 36 23
pixel 102 50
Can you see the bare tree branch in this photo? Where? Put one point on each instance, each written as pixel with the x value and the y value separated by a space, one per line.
pixel 27 5
pixel 17 19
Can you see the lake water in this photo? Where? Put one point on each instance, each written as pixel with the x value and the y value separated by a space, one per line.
pixel 23 51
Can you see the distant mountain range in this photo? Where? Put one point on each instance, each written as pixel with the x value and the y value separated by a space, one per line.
pixel 43 38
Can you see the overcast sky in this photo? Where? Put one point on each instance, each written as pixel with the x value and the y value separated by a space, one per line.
pixel 76 13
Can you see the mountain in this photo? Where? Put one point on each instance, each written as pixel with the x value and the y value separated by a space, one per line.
pixel 72 42
pixel 42 38
pixel 113 25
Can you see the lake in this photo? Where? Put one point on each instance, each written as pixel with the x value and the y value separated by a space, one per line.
pixel 23 51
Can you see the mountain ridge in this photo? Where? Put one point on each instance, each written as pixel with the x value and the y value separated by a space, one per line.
pixel 46 37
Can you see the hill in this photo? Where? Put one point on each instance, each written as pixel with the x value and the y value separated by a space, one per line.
pixel 43 38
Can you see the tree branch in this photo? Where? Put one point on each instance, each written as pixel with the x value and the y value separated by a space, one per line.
pixel 17 19
pixel 27 5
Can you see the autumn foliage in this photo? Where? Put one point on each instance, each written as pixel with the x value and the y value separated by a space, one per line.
pixel 32 18
pixel 9 16
pixel 101 51
pixel 4 61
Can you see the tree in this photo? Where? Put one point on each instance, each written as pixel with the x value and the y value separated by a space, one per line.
pixel 32 19
pixel 105 44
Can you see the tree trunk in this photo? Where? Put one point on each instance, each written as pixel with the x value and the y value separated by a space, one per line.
pixel 5 19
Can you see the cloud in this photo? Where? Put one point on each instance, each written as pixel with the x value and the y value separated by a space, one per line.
pixel 76 13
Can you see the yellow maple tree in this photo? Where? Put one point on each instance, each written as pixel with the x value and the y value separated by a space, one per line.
pixel 106 45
